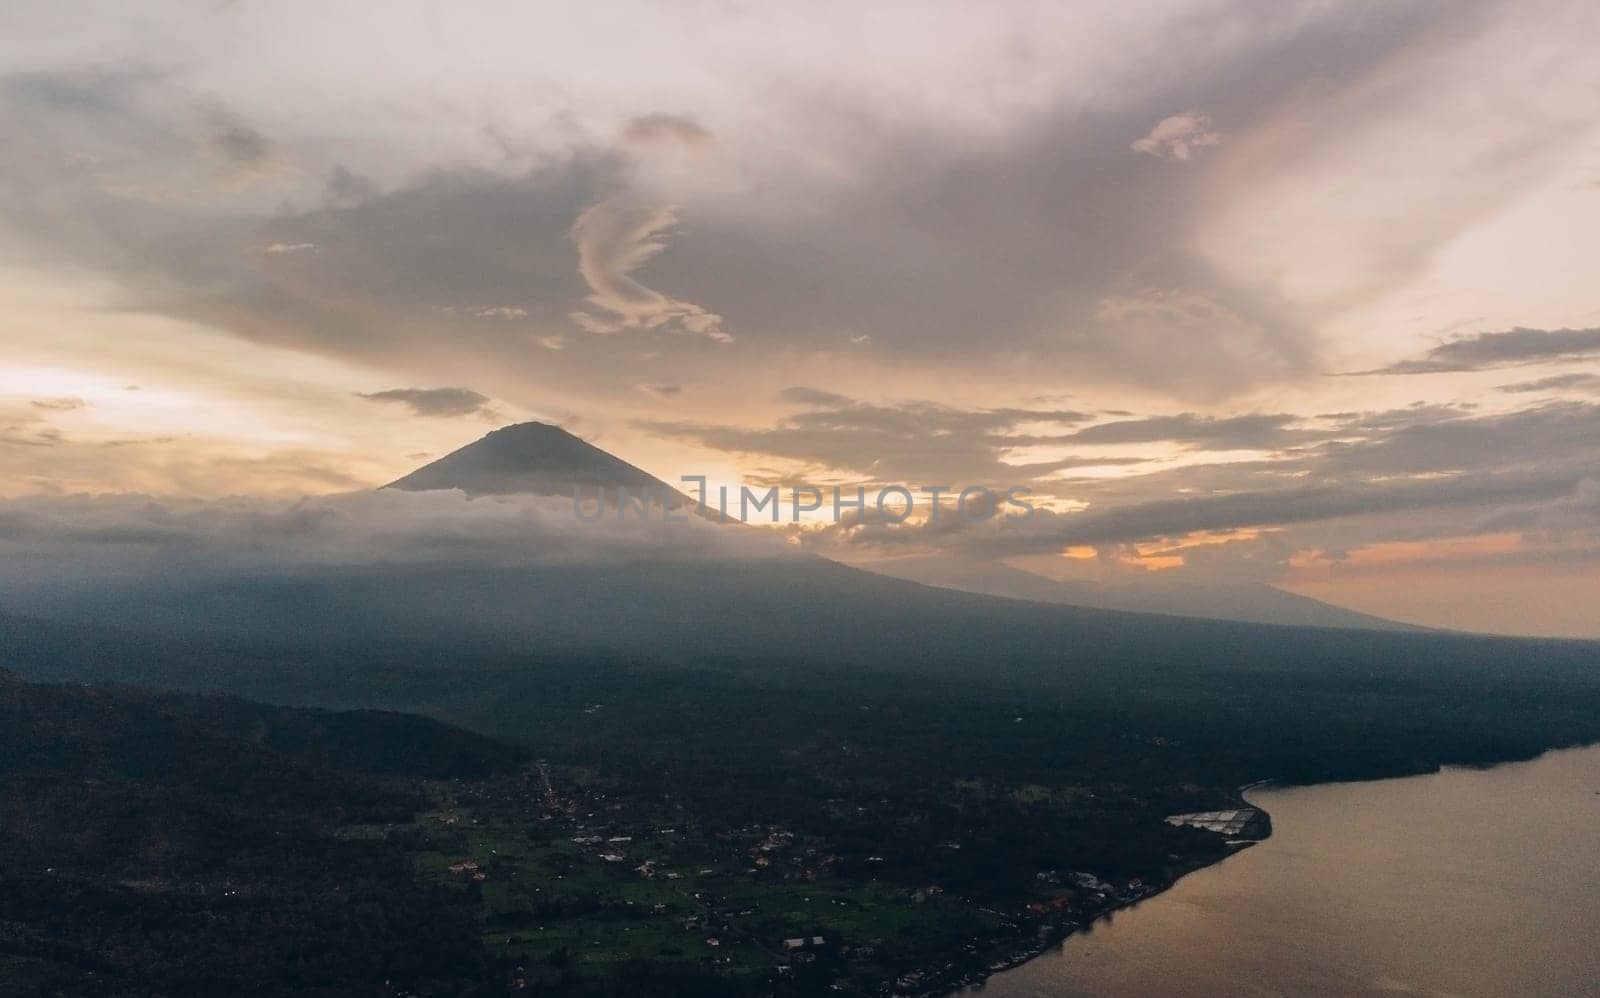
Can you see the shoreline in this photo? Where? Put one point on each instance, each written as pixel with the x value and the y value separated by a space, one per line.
pixel 1062 932
pixel 976 984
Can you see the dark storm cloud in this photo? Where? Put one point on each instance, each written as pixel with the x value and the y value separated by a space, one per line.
pixel 435 401
pixel 1512 348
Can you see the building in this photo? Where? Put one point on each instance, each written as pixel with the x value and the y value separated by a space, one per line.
pixel 1235 823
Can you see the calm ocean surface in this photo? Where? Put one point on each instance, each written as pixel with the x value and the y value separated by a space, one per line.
pixel 1466 882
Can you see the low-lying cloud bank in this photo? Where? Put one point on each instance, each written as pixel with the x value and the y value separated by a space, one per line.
pixel 123 538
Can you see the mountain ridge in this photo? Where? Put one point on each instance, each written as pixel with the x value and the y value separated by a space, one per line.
pixel 1253 603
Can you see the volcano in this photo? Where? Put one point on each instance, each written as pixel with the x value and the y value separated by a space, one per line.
pixel 535 459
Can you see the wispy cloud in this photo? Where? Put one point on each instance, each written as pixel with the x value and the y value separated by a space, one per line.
pixel 1512 348
pixel 615 238
pixel 1178 137
pixel 1576 382
pixel 436 401
pixel 1255 431
pixel 66 404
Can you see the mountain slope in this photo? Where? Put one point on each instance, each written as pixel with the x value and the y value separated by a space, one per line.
pixel 1248 602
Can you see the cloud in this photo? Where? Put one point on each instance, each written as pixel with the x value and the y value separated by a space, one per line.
pixel 869 226
pixel 1278 507
pixel 26 434
pixel 1556 383
pixel 1178 137
pixel 59 404
pixel 1195 337
pixel 616 237
pixel 281 249
pixel 1325 483
pixel 815 397
pixel 906 442
pixel 345 188
pixel 1253 431
pixel 84 540
pixel 650 129
pixel 1513 348
pixel 1441 441
pixel 490 311
pixel 928 442
pixel 176 238
pixel 38 459
pixel 242 150
pixel 663 391
pixel 436 401
pixel 1048 532
pixel 1014 239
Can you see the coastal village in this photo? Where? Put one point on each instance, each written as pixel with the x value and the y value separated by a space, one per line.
pixel 574 877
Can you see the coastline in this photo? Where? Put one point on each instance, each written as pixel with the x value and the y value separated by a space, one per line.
pixel 1060 932
pixel 975 984
pixel 1372 867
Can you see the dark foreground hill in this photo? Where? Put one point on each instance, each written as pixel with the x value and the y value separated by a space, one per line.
pixel 173 844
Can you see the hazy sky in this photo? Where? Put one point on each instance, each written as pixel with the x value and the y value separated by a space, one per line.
pixel 1293 292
